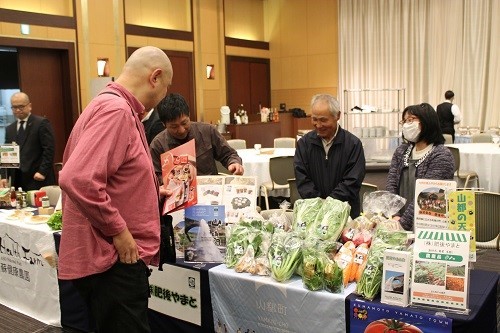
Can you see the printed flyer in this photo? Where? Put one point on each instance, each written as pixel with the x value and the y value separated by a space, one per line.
pixel 396 277
pixel 240 197
pixel 440 270
pixel 462 216
pixel 430 203
pixel 210 190
pixel 178 168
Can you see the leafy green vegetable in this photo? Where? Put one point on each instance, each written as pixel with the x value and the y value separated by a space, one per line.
pixel 331 219
pixel 55 221
pixel 333 277
pixel 304 215
pixel 285 254
pixel 312 266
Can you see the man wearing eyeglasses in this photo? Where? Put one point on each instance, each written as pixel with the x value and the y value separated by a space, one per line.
pixel 35 138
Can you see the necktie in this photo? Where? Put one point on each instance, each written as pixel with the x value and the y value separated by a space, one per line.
pixel 21 132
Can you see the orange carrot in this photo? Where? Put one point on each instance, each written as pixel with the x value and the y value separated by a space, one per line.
pixel 360 256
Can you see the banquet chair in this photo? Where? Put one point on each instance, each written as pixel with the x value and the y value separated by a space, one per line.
pixel 465 175
pixel 53 192
pixel 237 143
pixel 222 169
pixel 294 192
pixel 487 220
pixel 482 138
pixel 284 142
pixel 281 169
pixel 448 138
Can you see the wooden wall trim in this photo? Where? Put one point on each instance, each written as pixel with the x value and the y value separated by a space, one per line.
pixel 47 20
pixel 138 30
pixel 252 44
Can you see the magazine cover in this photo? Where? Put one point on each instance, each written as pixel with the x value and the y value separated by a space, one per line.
pixel 240 197
pixel 431 210
pixel 210 190
pixel 178 168
pixel 205 233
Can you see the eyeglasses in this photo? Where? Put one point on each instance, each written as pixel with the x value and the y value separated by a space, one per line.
pixel 19 107
pixel 408 120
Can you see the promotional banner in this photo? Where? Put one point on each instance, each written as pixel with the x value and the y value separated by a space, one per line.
pixel 28 282
pixel 372 317
pixel 175 291
pixel 462 216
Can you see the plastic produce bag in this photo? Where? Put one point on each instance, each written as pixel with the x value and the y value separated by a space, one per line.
pixel 382 203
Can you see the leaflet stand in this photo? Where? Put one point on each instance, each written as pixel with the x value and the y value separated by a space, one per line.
pixel 10 156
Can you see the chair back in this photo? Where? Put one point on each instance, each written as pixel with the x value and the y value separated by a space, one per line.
pixel 487 215
pixel 448 138
pixel 237 143
pixel 294 192
pixel 482 137
pixel 53 192
pixel 221 169
pixel 284 142
pixel 281 169
pixel 456 156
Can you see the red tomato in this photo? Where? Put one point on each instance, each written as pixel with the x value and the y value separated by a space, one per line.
pixel 391 326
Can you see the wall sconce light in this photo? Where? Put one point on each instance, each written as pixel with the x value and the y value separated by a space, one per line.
pixel 102 67
pixel 25 29
pixel 211 72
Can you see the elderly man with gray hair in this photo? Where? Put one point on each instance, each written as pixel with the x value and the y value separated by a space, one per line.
pixel 329 161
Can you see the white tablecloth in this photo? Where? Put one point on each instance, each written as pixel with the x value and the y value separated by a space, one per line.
pixel 484 158
pixel 257 164
pixel 247 303
pixel 28 283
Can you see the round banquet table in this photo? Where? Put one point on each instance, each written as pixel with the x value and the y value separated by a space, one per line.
pixel 484 158
pixel 256 163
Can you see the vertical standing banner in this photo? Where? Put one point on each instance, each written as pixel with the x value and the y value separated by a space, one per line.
pixel 28 283
pixel 462 216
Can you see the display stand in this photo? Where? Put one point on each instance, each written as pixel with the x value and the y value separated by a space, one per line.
pixel 373 115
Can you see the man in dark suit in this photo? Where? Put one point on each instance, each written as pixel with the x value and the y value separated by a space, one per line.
pixel 36 142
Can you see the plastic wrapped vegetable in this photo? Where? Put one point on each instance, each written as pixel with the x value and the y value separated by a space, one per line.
pixel 285 254
pixel 371 278
pixel 333 278
pixel 304 215
pixel 331 219
pixel 312 265
pixel 382 202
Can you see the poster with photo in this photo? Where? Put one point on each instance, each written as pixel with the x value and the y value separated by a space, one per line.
pixel 178 166
pixel 462 216
pixel 431 209
pixel 9 156
pixel 440 270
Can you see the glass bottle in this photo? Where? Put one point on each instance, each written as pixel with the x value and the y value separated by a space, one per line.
pixel 13 197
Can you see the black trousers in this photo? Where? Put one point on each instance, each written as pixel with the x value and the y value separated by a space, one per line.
pixel 118 298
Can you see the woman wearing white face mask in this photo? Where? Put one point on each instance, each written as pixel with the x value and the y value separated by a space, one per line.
pixel 423 156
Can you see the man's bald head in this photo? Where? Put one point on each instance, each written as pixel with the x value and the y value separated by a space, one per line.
pixel 147 74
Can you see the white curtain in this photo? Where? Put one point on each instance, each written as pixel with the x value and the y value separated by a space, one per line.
pixel 425 47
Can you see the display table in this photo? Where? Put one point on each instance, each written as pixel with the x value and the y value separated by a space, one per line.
pixel 24 273
pixel 482 158
pixel 482 304
pixel 245 303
